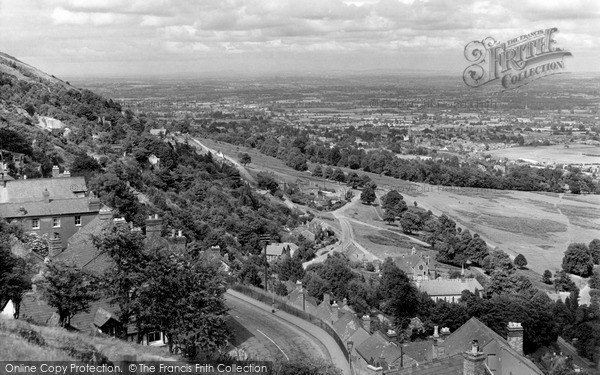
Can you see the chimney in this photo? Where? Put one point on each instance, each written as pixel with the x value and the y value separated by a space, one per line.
pixel 327 298
pixel 444 333
pixel 22 210
pixel 515 336
pixel 105 214
pixel 94 204
pixel 474 361
pixel 66 174
pixel 366 322
pixel 179 239
pixel 438 344
pixel 54 245
pixel 46 195
pixel 120 222
pixel 153 225
pixel 335 312
pixel 55 171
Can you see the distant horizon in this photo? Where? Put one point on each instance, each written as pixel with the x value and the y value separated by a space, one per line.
pixel 121 38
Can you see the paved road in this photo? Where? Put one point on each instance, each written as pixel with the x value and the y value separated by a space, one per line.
pixel 280 332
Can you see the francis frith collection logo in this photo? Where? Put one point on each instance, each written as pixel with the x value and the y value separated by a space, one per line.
pixel 516 62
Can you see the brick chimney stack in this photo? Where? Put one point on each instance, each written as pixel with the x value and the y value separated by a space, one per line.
pixel 46 195
pixel 515 336
pixel 54 245
pixel 94 204
pixel 327 298
pixel 55 171
pixel 105 214
pixel 335 312
pixel 153 226
pixel 474 361
pixel 438 343
pixel 366 322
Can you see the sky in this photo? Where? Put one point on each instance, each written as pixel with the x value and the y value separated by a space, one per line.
pixel 71 38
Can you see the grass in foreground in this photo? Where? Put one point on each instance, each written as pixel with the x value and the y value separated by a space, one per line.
pixel 21 341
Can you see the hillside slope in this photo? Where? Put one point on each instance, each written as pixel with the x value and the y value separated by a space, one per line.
pixel 21 341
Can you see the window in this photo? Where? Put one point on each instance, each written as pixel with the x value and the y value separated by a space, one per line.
pixel 78 220
pixel 154 336
pixel 55 222
pixel 35 223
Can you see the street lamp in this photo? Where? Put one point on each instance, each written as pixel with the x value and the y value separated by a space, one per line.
pixel 349 346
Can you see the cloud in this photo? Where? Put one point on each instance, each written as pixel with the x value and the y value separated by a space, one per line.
pixel 361 31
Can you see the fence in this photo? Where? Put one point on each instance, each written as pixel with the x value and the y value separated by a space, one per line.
pixel 283 304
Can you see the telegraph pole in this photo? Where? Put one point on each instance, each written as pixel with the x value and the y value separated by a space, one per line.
pixel 265 239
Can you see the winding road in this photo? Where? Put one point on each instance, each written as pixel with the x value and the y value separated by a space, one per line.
pixel 279 336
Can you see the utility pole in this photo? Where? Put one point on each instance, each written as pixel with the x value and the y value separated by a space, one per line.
pixel 265 239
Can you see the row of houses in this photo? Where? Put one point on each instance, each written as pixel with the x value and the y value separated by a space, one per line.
pixel 473 349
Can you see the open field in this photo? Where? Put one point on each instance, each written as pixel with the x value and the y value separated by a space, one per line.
pixel 558 154
pixel 538 225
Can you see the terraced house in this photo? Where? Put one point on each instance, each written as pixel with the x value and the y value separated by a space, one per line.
pixel 57 207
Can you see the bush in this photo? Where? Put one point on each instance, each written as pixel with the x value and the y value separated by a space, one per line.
pixel 577 260
pixel 32 336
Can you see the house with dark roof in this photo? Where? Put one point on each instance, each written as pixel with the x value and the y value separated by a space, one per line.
pixel 475 349
pixel 416 265
pixel 275 250
pixel 57 207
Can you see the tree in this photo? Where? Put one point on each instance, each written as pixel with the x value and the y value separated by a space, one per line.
pixel 338 175
pixel 68 289
pixel 520 261
pixel 14 275
pixel 289 268
pixel 245 159
pixel 563 283
pixel 389 217
pixel 577 260
pixel 547 277
pixel 410 222
pixel 84 165
pixel 497 259
pixel 318 171
pixel 594 281
pixel 183 296
pixel 594 249
pixel 368 195
pixel 399 296
pixel 123 280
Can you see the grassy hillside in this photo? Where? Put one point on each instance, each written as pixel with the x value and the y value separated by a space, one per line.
pixel 21 341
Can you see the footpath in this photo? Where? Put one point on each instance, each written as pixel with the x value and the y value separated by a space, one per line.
pixel 336 354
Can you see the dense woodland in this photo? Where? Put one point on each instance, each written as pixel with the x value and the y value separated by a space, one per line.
pixel 295 147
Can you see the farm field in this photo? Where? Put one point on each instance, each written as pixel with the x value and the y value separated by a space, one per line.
pixel 538 225
pixel 552 154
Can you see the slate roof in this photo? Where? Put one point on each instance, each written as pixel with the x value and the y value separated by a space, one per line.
pixel 276 249
pixel 420 351
pixel 460 341
pixel 347 325
pixel 445 287
pixel 55 207
pixel 377 346
pixel 82 252
pixel 102 316
pixel 18 191
pixel 452 365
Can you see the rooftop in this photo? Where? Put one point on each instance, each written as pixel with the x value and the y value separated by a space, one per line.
pixel 32 189
pixel 445 287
